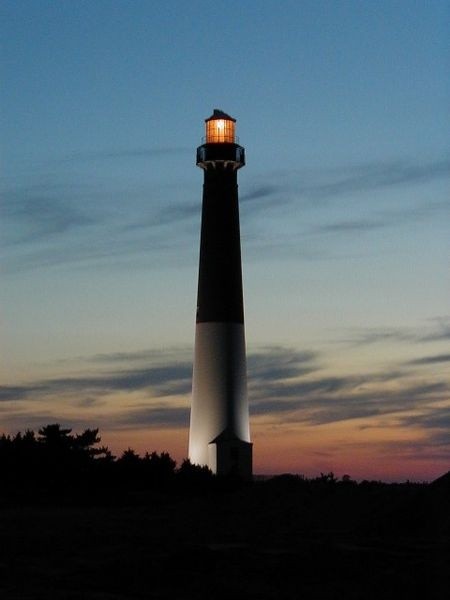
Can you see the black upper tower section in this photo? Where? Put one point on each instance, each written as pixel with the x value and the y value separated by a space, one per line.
pixel 220 297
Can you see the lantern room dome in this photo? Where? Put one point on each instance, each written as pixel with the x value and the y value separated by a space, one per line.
pixel 219 114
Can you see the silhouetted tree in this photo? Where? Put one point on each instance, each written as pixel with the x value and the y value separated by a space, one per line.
pixel 194 476
pixel 159 468
pixel 327 478
pixel 53 436
pixel 55 460
pixel 129 457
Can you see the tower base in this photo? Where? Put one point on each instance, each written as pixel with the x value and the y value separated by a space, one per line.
pixel 219 388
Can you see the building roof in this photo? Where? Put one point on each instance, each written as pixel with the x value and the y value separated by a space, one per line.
pixel 219 114
pixel 227 436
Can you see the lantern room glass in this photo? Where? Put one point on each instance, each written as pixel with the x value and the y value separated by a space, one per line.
pixel 220 131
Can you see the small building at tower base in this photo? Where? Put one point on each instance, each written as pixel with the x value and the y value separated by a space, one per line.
pixel 230 456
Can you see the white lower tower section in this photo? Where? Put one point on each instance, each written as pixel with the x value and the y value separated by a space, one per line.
pixel 219 388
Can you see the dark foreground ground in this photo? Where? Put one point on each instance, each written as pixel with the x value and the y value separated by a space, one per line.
pixel 279 539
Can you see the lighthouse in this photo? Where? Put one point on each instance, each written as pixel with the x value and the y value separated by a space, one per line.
pixel 219 434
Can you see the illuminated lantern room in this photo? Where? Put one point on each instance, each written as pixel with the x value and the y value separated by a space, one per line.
pixel 220 128
pixel 220 148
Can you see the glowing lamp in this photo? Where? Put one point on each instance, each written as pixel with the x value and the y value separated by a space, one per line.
pixel 220 128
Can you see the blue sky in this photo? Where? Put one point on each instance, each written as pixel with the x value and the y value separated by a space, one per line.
pixel 343 110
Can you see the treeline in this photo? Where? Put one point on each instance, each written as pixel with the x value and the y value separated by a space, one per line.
pixel 57 462
pixel 58 466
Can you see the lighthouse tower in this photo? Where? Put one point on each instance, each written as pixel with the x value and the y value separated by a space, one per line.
pixel 219 434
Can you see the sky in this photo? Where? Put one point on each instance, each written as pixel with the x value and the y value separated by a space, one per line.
pixel 343 109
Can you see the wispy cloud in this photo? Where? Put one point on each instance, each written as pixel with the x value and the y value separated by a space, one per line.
pixel 293 202
pixel 170 355
pixel 380 220
pixel 273 363
pixel 363 178
pixel 162 416
pixel 438 331
pixel 434 422
pixel 329 183
pixel 39 217
pixel 296 386
pixel 435 418
pixel 20 421
pixel 351 226
pixel 20 392
pixel 152 152
pixel 375 335
pixel 48 224
pixel 325 402
pixel 171 215
pixel 157 380
pixel 258 192
pixel 347 179
pixel 284 384
pixel 430 360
